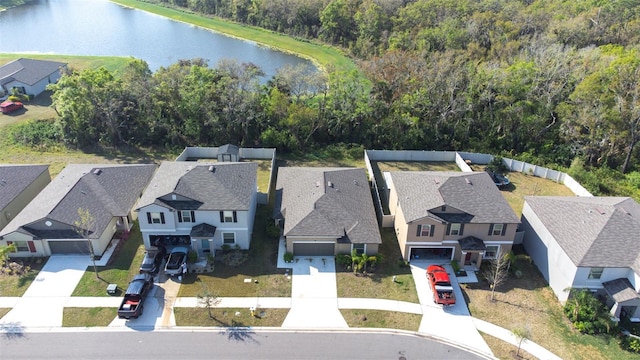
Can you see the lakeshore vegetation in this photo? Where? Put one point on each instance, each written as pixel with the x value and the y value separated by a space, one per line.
pixel 548 81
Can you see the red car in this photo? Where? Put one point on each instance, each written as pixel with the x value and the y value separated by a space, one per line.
pixel 10 106
pixel 440 285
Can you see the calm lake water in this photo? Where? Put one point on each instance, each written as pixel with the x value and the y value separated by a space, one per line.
pixel 99 27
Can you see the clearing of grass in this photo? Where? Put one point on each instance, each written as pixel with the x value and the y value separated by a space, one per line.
pixel 415 166
pixel 504 350
pixel 230 317
pixel 380 284
pixel 74 62
pixel 124 267
pixel 4 311
pixel 16 285
pixel 528 302
pixel 88 317
pixel 381 319
pixel 528 185
pixel 266 280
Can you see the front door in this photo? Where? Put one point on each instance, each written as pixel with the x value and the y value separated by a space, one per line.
pixel 467 259
pixel 204 245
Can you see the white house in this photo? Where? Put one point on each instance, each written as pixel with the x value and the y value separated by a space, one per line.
pixel 203 205
pixel 587 242
pixel 29 76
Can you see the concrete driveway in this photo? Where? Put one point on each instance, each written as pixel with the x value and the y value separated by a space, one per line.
pixel 314 295
pixel 451 322
pixel 43 302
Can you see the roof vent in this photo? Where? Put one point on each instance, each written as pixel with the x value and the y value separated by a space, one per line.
pixel 468 181
pixel 97 171
pixel 329 184
pixel 436 181
pixel 600 210
pixel 317 183
pixel 355 182
pixel 212 168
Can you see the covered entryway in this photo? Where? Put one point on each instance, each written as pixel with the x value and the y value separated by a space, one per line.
pixel 69 247
pixel 622 299
pixel 313 249
pixel 431 253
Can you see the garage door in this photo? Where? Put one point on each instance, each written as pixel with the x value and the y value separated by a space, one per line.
pixel 313 249
pixel 69 247
pixel 431 253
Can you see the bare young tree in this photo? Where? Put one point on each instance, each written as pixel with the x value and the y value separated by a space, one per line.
pixel 521 333
pixel 208 300
pixel 497 271
pixel 85 226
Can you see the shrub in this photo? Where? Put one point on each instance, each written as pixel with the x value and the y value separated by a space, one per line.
pixel 344 260
pixel 272 230
pixel 192 257
pixel 288 256
pixel 587 313
pixel 39 133
pixel 630 343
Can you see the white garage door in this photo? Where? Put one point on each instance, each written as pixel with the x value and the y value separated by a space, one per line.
pixel 69 247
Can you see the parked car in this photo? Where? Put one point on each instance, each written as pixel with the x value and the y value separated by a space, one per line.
pixel 10 106
pixel 440 285
pixel 152 261
pixel 133 300
pixel 177 262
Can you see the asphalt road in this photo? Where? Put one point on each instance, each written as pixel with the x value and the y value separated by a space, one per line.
pixel 224 344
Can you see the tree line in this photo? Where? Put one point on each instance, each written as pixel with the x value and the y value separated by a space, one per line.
pixel 545 81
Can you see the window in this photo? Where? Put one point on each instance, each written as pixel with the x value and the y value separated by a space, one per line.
pixel 186 216
pixel 359 248
pixel 228 216
pixel 455 229
pixel 496 229
pixel 21 246
pixel 228 238
pixel 595 273
pixel 425 230
pixel 155 218
pixel 491 252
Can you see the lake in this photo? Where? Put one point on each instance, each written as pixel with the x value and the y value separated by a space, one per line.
pixel 102 28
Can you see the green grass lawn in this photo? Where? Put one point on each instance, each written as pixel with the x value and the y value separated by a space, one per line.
pixel 261 267
pixel 380 283
pixel 81 317
pixel 528 185
pixel 381 319
pixel 16 285
pixel 75 62
pixel 529 302
pixel 125 266
pixel 4 311
pixel 228 317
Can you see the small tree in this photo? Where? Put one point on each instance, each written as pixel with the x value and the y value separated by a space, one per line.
pixel 208 300
pixel 521 334
pixel 84 226
pixel 497 271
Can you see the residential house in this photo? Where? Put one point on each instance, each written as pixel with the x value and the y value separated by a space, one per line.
pixel 19 184
pixel 326 211
pixel 51 223
pixel 448 216
pixel 589 243
pixel 29 76
pixel 206 206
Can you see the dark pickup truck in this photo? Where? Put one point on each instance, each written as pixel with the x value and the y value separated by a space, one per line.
pixel 132 303
pixel 177 262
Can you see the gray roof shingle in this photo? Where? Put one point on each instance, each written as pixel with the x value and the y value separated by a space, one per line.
pixel 105 190
pixel 592 231
pixel 28 71
pixel 475 194
pixel 333 202
pixel 14 179
pixel 227 186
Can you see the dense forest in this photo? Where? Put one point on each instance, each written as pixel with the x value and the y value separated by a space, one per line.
pixel 555 82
